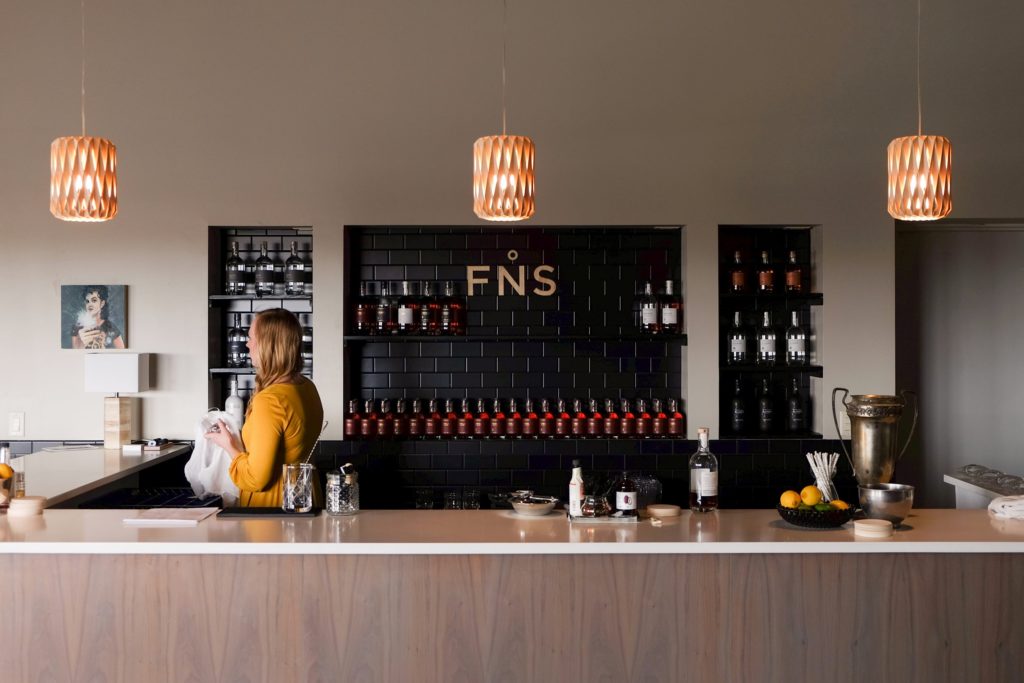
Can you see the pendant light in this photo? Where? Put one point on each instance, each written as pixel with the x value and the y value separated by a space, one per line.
pixel 503 180
pixel 83 171
pixel 920 167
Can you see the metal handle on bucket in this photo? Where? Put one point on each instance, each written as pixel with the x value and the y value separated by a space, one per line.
pixel 913 424
pixel 835 419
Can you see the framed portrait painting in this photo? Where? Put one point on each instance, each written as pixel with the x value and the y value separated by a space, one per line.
pixel 93 317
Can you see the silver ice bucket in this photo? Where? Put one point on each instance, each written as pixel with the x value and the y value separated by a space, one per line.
pixel 874 433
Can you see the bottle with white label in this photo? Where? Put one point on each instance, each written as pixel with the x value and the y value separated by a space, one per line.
pixel 796 343
pixel 625 497
pixel 703 476
pixel 766 341
pixel 234 405
pixel 576 490
pixel 408 310
pixel 739 342
pixel 649 311
pixel 671 308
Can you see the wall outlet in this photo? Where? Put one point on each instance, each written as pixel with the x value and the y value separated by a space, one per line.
pixel 16 424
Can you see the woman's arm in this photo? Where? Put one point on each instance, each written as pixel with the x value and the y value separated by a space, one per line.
pixel 254 468
pixel 118 342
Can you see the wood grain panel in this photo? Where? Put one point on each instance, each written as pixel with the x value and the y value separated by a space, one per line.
pixel 513 618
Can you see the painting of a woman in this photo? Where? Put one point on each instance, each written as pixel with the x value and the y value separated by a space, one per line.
pixel 94 325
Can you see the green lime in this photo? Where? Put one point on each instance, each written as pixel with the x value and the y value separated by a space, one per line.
pixel 805 506
pixel 823 507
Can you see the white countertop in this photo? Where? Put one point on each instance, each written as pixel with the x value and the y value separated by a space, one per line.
pixel 62 474
pixel 492 532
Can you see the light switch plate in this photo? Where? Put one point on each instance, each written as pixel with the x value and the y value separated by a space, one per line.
pixel 16 424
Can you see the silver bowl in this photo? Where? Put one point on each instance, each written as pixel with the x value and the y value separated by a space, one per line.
pixel 533 506
pixel 886 501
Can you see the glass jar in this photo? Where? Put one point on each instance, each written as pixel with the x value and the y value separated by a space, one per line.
pixel 332 496
pixel 348 495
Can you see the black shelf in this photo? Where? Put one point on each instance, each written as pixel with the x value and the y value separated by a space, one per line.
pixel 770 435
pixel 393 338
pixel 809 298
pixel 267 297
pixel 249 371
pixel 813 370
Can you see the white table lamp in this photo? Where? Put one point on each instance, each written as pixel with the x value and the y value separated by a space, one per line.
pixel 117 373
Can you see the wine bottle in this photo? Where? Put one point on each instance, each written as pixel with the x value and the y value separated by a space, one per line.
pixel 796 342
pixel 796 417
pixel 738 410
pixel 739 342
pixel 765 275
pixel 766 341
pixel 765 409
pixel 703 476
pixel 264 273
pixel 626 497
pixel 794 275
pixel 235 273
pixel 294 273
pixel 737 274
pixel 649 311
pixel 671 309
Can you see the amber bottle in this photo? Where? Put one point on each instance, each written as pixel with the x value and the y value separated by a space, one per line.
pixel 563 422
pixel 514 423
pixel 659 421
pixel 352 420
pixel 497 428
pixel 595 421
pixel 401 420
pixel 368 425
pixel 531 423
pixel 450 420
pixel 417 423
pixel 481 421
pixel 644 421
pixel 386 426
pixel 612 422
pixel 432 423
pixel 578 426
pixel 676 420
pixel 547 420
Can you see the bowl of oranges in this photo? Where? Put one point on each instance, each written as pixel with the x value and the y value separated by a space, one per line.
pixel 808 508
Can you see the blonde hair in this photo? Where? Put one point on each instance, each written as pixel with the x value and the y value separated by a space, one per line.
pixel 279 340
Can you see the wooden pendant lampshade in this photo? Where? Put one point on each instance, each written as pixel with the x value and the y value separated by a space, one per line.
pixel 503 180
pixel 920 178
pixel 83 178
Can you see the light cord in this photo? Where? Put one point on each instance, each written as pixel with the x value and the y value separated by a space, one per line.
pixel 919 68
pixel 83 68
pixel 504 41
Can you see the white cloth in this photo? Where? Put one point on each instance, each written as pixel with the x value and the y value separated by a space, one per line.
pixel 207 469
pixel 1007 507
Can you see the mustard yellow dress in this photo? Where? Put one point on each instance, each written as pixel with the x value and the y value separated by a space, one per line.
pixel 281 428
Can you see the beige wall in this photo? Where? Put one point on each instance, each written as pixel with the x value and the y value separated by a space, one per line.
pixel 334 113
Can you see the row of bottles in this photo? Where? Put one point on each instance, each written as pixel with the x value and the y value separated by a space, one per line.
pixel 238 351
pixel 408 309
pixel 560 423
pixel 763 279
pixel 261 276
pixel 762 346
pixel 766 418
pixel 660 314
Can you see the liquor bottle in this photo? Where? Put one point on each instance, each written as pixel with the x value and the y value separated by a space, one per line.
pixel 531 423
pixel 408 310
pixel 765 409
pixel 794 275
pixel 765 275
pixel 766 341
pixel 368 425
pixel 649 311
pixel 514 423
pixel 671 310
pixel 235 273
pixel 644 421
pixel 497 420
pixel 234 405
pixel 307 346
pixel 481 421
pixel 659 422
pixel 352 420
pixel 676 420
pixel 264 272
pixel 595 421
pixel 563 421
pixel 450 420
pixel 294 273
pixel 578 424
pixel 238 352
pixel 402 421
pixel 611 420
pixel 627 422
pixel 796 342
pixel 625 497
pixel 387 322
pixel 386 426
pixel 430 311
pixel 464 423
pixel 576 490
pixel 546 425
pixel 365 311
pixel 737 274
pixel 417 423
pixel 739 341
pixel 738 410
pixel 432 423
pixel 703 476
pixel 796 417
pixel 452 311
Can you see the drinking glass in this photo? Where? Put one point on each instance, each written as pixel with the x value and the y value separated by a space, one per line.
pixel 470 499
pixel 452 500
pixel 298 487
pixel 424 499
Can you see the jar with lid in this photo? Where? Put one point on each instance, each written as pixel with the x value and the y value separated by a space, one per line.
pixel 346 493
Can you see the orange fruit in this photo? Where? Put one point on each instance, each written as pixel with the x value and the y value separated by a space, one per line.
pixel 790 499
pixel 5 471
pixel 840 504
pixel 810 495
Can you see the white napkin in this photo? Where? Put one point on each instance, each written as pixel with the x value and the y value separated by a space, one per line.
pixel 1007 507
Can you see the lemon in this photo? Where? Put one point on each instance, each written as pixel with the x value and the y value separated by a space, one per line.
pixel 790 499
pixel 840 504
pixel 5 471
pixel 810 495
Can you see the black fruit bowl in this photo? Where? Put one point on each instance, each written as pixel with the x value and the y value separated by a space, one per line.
pixel 813 519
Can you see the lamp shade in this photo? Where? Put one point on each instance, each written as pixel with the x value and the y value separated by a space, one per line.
pixel 920 178
pixel 503 180
pixel 116 373
pixel 83 179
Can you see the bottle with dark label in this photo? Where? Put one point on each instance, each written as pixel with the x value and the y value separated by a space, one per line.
pixel 765 409
pixel 796 417
pixel 386 426
pixel 481 421
pixel 737 274
pixel 644 421
pixel 514 423
pixel 352 420
pixel 430 311
pixel 450 420
pixel 767 341
pixel 676 420
pixel 452 311
pixel 408 315
pixel 294 273
pixel 464 423
pixel 498 421
pixel 417 423
pixel 703 476
pixel 595 421
pixel 739 342
pixel 238 336
pixel 794 275
pixel 796 342
pixel 368 425
pixel 765 275
pixel 235 273
pixel 659 421
pixel 365 318
pixel 626 497
pixel 738 410
pixel 563 421
pixel 627 422
pixel 402 421
pixel 671 310
pixel 546 423
pixel 264 273
pixel 649 311
pixel 432 422
pixel 531 422
pixel 578 425
pixel 611 420
pixel 387 319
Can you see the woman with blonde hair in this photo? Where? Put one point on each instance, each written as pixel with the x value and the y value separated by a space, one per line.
pixel 284 417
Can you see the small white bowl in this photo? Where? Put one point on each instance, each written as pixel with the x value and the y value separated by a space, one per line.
pixel 533 509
